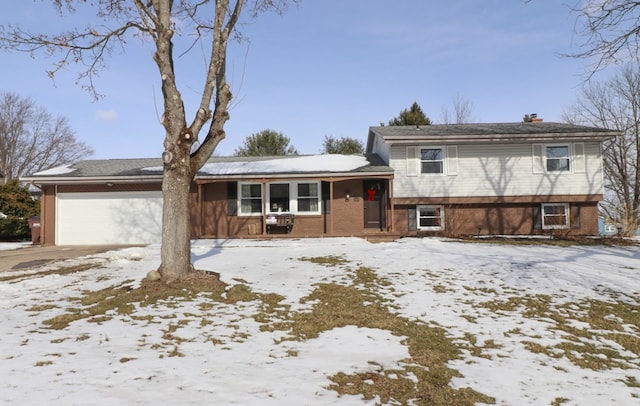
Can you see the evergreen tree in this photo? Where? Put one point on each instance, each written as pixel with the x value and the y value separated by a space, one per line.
pixel 412 116
pixel 344 145
pixel 266 143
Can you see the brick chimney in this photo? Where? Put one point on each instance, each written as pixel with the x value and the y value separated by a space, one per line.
pixel 534 118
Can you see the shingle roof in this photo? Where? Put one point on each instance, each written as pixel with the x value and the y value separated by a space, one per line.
pixel 150 169
pixel 506 132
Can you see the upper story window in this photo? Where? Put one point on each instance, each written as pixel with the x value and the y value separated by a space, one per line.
pixel 558 158
pixel 250 198
pixel 432 160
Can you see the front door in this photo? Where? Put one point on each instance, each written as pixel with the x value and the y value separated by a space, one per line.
pixel 374 206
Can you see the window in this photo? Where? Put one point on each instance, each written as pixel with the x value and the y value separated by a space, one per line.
pixel 250 198
pixel 308 197
pixel 555 216
pixel 430 218
pixel 279 197
pixel 294 197
pixel 431 160
pixel 558 158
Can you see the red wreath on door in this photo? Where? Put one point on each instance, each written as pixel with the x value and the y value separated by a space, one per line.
pixel 371 194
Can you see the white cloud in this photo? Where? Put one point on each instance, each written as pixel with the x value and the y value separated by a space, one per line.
pixel 109 116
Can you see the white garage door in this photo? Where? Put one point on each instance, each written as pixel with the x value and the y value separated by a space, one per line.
pixel 108 218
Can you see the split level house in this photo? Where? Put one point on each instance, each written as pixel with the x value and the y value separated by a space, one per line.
pixel 454 180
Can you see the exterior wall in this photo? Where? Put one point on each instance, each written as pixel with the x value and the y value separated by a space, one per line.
pixel 512 218
pixel 214 217
pixel 348 215
pixel 381 148
pixel 47 215
pixel 48 202
pixel 499 169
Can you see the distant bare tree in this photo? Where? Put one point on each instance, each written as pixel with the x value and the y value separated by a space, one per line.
pixel 615 104
pixel 31 139
pixel 460 113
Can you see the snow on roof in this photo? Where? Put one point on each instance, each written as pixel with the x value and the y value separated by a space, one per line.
pixel 58 170
pixel 311 163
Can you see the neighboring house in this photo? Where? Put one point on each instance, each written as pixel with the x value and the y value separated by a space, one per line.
pixel 508 178
pixel 467 179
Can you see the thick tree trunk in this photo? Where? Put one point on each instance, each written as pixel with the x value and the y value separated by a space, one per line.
pixel 175 252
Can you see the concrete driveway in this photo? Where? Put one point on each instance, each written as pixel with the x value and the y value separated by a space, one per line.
pixel 32 256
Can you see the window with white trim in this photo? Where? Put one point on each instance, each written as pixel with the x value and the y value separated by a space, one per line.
pixel 250 198
pixel 430 218
pixel 558 158
pixel 279 200
pixel 555 216
pixel 294 197
pixel 308 198
pixel 432 160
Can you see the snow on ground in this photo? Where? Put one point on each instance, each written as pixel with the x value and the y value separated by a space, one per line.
pixel 231 361
pixel 13 245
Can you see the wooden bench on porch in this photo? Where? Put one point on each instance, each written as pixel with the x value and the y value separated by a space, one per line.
pixel 284 220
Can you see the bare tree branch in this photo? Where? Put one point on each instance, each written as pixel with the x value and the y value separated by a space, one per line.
pixel 31 140
pixel 610 30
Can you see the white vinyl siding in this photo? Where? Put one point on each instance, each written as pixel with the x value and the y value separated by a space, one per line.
pixel 500 169
pixel 108 218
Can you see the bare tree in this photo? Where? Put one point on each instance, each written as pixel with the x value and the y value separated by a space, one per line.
pixel 460 113
pixel 610 30
pixel 31 139
pixel 211 23
pixel 615 104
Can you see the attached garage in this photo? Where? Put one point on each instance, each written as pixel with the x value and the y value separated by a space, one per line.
pixel 92 218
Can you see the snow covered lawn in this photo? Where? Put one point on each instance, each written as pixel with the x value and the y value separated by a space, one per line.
pixel 529 324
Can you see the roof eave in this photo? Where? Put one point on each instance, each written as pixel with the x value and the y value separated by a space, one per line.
pixel 600 136
pixel 301 175
pixel 52 180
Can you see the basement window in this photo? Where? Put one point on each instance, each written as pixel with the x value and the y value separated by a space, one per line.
pixel 555 216
pixel 430 218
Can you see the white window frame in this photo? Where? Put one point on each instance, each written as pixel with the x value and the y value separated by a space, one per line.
pixel 240 198
pixel 567 158
pixel 430 228
pixel 443 161
pixel 566 215
pixel 310 198
pixel 293 197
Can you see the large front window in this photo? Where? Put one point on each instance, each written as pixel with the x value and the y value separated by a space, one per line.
pixel 555 216
pixel 279 197
pixel 294 197
pixel 432 160
pixel 430 218
pixel 558 158
pixel 250 198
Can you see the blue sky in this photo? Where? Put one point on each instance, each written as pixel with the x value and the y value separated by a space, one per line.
pixel 328 67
